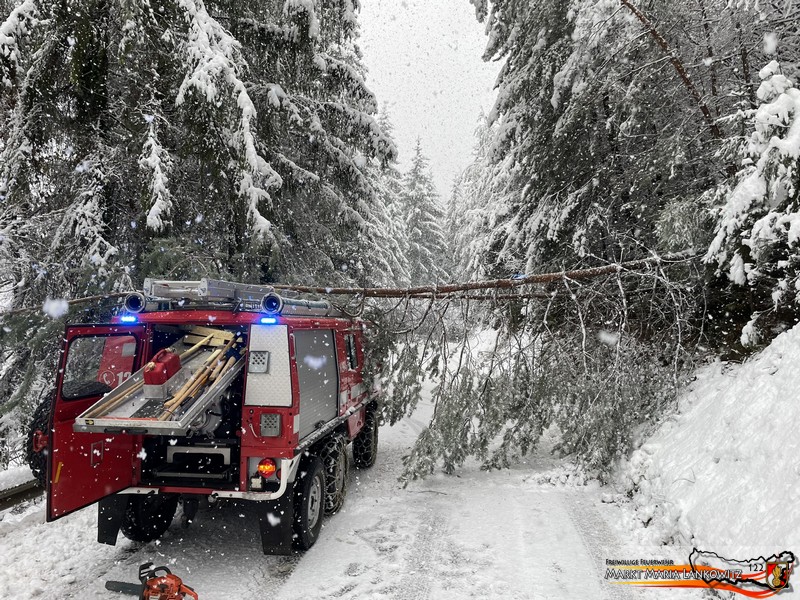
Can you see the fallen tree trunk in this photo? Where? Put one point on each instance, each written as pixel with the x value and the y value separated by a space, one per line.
pixel 426 291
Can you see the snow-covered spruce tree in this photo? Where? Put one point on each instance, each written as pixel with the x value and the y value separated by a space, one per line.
pixel 184 139
pixel 424 219
pixel 473 210
pixel 591 132
pixel 237 135
pixel 758 34
pixel 389 186
pixel 605 138
pixel 757 242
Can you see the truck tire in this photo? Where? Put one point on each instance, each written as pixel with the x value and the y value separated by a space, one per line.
pixel 309 502
pixel 148 517
pixel 37 441
pixel 365 444
pixel 337 470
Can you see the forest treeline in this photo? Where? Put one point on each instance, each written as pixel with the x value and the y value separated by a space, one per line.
pixel 189 139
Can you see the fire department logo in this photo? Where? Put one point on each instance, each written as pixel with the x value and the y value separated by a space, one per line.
pixel 778 574
pixel 762 576
pixel 754 577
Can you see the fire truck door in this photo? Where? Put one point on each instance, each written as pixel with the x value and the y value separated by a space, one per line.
pixel 85 467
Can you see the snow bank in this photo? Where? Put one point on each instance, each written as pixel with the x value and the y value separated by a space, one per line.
pixel 15 476
pixel 724 473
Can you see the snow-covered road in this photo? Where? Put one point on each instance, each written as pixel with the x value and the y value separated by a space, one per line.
pixel 474 535
pixel 477 534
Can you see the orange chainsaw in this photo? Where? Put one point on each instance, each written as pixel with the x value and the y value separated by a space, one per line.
pixel 157 583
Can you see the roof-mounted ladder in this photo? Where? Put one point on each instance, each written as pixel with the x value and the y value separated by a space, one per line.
pixel 263 298
pixel 213 290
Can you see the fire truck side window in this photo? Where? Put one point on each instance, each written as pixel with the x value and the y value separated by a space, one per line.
pixel 97 364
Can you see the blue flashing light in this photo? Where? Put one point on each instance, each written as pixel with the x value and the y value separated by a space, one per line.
pixel 129 319
pixel 268 320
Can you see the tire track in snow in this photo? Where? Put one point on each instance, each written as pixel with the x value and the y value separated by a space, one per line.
pixel 598 539
pixel 396 554
pixel 421 556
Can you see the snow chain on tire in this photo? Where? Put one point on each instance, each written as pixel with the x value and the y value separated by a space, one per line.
pixel 365 444
pixel 148 517
pixel 337 471
pixel 309 502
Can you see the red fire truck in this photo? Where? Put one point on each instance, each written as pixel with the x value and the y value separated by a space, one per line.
pixel 209 389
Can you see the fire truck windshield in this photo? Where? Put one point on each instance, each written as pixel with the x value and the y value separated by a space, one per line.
pixel 97 364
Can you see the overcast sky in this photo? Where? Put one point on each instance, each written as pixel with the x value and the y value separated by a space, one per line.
pixel 424 61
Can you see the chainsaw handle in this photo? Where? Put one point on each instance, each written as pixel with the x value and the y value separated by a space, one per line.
pixel 146 571
pixel 160 572
pixel 185 589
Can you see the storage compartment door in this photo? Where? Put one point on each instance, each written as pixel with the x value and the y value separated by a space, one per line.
pixel 318 378
pixel 85 467
pixel 269 379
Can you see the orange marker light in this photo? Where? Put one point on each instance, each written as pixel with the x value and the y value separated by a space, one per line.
pixel 267 468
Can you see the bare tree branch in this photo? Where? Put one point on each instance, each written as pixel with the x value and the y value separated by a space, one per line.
pixel 681 70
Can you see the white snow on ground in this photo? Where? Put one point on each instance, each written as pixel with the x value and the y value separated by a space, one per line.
pixel 723 474
pixel 14 476
pixel 472 535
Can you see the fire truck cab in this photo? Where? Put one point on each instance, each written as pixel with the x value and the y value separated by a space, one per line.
pixel 210 389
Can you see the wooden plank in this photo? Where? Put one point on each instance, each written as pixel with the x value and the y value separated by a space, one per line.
pixel 217 333
pixel 195 339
